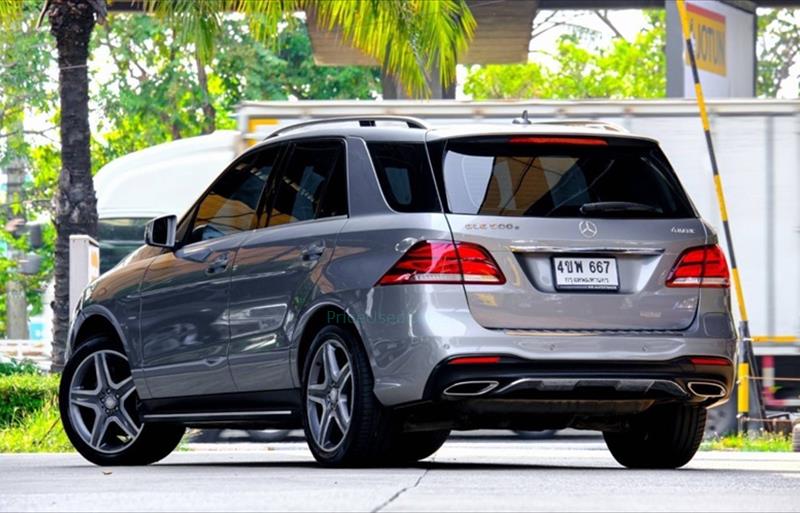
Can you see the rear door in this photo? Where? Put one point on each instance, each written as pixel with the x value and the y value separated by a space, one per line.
pixel 279 264
pixel 585 229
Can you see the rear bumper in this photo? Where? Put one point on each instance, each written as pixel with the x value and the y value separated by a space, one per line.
pixel 411 331
pixel 516 379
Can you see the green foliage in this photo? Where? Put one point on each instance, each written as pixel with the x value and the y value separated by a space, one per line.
pixel 153 93
pixel 761 442
pixel 625 69
pixel 24 394
pixel 25 58
pixel 41 431
pixel 409 37
pixel 15 367
pixel 778 45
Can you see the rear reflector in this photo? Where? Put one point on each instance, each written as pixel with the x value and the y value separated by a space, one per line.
pixel 474 360
pixel 703 266
pixel 710 360
pixel 444 262
pixel 578 141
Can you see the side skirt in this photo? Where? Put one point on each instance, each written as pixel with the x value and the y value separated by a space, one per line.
pixel 278 409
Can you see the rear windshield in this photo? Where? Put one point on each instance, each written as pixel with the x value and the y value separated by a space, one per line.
pixel 561 180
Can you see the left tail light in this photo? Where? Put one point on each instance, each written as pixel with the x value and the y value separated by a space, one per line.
pixel 703 266
pixel 444 262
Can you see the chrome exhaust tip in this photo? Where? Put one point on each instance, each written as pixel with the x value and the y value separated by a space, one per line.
pixel 706 389
pixel 470 388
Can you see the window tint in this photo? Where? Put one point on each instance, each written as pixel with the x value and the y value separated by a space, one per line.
pixel 313 184
pixel 232 203
pixel 538 180
pixel 405 176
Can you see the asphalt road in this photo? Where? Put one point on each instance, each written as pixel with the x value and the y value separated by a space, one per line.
pixel 467 474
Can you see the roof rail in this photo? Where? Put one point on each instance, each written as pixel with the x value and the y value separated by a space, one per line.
pixel 586 123
pixel 362 120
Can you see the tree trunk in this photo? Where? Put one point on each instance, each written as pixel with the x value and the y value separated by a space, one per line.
pixel 209 112
pixel 71 23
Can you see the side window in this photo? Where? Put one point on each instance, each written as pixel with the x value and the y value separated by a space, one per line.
pixel 231 205
pixel 313 184
pixel 405 176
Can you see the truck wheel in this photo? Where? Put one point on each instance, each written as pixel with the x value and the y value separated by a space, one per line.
pixel 662 437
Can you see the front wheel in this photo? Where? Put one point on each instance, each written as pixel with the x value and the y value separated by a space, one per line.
pixel 662 437
pixel 98 405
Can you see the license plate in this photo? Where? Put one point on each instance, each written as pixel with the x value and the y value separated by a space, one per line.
pixel 585 273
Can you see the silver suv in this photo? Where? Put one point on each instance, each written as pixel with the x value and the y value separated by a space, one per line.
pixel 380 284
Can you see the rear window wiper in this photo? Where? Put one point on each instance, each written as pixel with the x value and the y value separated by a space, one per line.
pixel 614 207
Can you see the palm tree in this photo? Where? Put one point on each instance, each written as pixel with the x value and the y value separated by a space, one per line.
pixel 409 37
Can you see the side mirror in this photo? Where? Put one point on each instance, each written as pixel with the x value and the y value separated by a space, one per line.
pixel 160 232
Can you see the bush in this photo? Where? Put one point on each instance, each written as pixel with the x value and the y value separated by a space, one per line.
pixel 24 394
pixel 40 431
pixel 13 367
pixel 759 442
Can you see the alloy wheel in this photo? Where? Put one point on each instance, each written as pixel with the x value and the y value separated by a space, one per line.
pixel 102 402
pixel 329 395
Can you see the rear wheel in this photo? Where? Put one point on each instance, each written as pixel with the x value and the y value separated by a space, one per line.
pixel 344 423
pixel 409 448
pixel 662 437
pixel 98 405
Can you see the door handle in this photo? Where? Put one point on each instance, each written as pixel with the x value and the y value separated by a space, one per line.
pixel 313 251
pixel 218 265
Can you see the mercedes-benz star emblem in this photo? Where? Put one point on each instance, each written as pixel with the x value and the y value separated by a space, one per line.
pixel 588 229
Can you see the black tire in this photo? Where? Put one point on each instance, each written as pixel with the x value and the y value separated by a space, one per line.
pixel 408 448
pixel 364 444
pixel 154 441
pixel 662 437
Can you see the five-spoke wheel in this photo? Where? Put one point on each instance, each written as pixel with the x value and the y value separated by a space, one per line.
pixel 329 395
pixel 99 409
pixel 102 402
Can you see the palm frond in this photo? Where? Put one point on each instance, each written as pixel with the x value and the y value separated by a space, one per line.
pixel 10 11
pixel 408 37
pixel 194 21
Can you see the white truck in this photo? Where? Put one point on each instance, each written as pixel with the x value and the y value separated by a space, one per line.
pixel 758 149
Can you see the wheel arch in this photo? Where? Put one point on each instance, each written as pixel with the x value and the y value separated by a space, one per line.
pixel 321 315
pixel 92 321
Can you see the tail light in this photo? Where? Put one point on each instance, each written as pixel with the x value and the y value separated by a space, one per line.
pixel 444 262
pixel 703 266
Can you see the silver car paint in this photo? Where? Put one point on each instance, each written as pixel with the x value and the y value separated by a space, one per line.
pixel 406 329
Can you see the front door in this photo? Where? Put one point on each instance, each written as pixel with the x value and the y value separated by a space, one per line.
pixel 184 297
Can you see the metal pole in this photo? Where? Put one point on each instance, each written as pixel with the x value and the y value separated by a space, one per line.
pixel 746 350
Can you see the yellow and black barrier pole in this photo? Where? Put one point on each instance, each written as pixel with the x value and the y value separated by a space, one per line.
pixel 748 364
